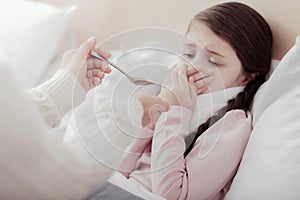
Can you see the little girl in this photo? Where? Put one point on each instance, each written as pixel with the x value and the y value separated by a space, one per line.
pixel 193 152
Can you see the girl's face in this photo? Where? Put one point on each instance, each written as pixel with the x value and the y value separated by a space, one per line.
pixel 220 57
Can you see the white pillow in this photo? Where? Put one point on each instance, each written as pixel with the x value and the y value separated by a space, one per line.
pixel 271 163
pixel 30 35
pixel 21 136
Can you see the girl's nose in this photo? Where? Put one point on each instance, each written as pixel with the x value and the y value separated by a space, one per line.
pixel 200 61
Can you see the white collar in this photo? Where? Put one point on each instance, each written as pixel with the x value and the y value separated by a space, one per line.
pixel 208 105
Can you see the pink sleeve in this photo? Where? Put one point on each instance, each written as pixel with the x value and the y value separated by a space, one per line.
pixel 134 152
pixel 169 176
pixel 209 166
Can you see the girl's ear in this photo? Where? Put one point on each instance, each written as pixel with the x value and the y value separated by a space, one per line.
pixel 249 77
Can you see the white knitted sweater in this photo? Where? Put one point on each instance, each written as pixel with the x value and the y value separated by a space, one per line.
pixel 33 165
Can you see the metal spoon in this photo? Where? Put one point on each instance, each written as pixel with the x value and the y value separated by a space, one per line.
pixel 135 80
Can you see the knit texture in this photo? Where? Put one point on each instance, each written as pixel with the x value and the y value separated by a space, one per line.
pixel 57 96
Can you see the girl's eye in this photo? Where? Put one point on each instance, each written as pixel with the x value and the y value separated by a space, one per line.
pixel 188 55
pixel 213 63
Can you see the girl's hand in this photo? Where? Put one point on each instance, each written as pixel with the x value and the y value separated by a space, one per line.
pixel 201 78
pixel 88 70
pixel 178 90
pixel 153 107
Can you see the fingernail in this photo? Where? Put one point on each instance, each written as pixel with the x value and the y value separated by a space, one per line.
pixel 210 78
pixel 97 81
pixel 101 75
pixel 91 39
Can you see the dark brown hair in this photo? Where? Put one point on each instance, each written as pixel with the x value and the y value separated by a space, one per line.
pixel 250 36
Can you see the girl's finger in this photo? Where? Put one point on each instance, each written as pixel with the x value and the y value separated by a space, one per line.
pixel 201 90
pixel 202 74
pixel 193 87
pixel 203 82
pixel 192 70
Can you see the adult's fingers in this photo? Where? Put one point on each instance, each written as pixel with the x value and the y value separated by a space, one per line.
pixel 94 73
pixel 105 54
pixel 69 52
pixel 84 49
pixel 94 81
pixel 96 63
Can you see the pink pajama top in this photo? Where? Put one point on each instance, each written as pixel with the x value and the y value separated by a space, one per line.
pixel 155 161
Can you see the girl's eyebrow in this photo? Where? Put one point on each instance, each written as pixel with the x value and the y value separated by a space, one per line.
pixel 214 53
pixel 206 49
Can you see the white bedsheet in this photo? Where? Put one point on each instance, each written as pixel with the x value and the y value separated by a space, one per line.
pixel 122 182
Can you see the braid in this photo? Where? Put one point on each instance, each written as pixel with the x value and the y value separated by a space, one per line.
pixel 242 101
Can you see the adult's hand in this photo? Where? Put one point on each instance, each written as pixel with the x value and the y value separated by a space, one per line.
pixel 88 70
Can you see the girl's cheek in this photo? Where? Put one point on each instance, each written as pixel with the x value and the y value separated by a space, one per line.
pixel 217 84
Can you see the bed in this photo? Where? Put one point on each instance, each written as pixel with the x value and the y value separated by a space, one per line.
pixel 274 145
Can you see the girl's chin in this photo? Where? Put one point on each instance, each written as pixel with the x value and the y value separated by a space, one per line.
pixel 211 89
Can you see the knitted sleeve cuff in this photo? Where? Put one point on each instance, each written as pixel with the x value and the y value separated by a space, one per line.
pixel 55 97
pixel 65 91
